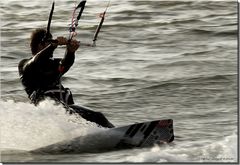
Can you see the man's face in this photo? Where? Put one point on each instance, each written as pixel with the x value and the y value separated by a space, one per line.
pixel 43 45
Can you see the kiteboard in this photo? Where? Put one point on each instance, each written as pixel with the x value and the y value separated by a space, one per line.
pixel 137 135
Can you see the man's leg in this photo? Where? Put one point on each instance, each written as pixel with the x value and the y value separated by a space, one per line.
pixel 96 117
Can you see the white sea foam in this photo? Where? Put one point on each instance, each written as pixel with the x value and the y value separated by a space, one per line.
pixel 224 150
pixel 26 127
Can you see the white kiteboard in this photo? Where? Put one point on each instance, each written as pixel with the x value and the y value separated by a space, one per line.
pixel 131 136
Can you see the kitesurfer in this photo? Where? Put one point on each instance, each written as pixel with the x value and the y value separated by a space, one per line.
pixel 41 74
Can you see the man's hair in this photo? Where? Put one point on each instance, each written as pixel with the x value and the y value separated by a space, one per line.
pixel 38 37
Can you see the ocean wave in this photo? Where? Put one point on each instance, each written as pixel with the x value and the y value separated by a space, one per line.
pixel 231 33
pixel 202 31
pixel 119 80
pixel 196 53
pixel 179 82
pixel 213 32
pixel 178 63
pixel 223 150
pixel 217 78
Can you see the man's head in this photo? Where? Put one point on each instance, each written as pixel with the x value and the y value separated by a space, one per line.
pixel 39 40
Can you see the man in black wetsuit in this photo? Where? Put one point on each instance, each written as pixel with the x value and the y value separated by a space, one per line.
pixel 41 74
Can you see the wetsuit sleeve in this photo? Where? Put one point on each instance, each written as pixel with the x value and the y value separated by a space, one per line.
pixel 66 62
pixel 21 66
pixel 39 58
pixel 44 54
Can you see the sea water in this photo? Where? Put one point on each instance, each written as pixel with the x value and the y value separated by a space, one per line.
pixel 154 60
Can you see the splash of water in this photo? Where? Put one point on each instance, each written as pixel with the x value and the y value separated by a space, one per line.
pixel 27 127
pixel 224 150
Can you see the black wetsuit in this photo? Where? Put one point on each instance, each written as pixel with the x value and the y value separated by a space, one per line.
pixel 41 76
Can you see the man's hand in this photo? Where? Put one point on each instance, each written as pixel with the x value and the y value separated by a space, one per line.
pixel 62 41
pixel 73 45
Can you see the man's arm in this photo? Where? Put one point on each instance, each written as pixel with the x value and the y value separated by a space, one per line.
pixel 66 62
pixel 69 57
pixel 21 66
pixel 38 58
pixel 45 53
